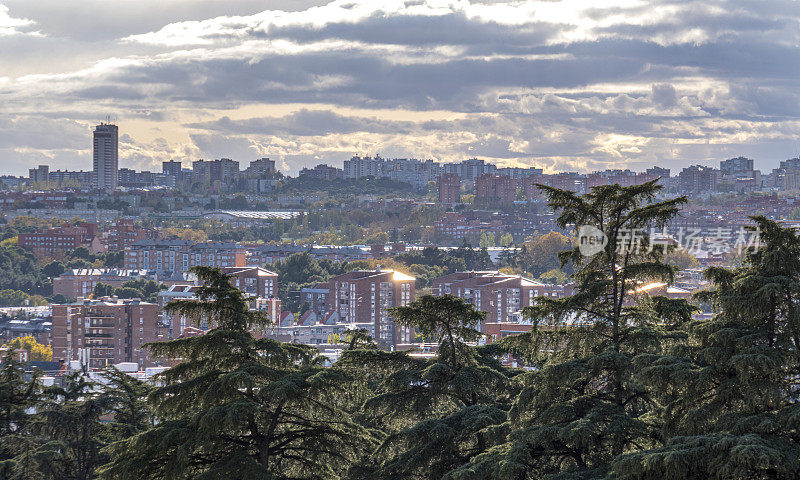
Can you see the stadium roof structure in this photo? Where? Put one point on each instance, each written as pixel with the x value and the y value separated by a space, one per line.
pixel 254 215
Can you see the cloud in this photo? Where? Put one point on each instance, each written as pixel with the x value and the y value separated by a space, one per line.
pixel 561 84
pixel 13 26
pixel 305 123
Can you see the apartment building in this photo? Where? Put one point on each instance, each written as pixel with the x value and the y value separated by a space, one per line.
pixel 254 281
pixel 124 232
pixel 469 170
pixel 449 185
pixel 500 295
pixel 263 255
pixel 105 156
pixel 495 189
pixel 316 298
pixel 698 178
pixel 362 296
pixel 80 282
pixel 625 178
pixel 178 256
pixel 259 285
pixel 57 242
pixel 106 331
pixel 323 172
pixel 530 186
pixel 222 170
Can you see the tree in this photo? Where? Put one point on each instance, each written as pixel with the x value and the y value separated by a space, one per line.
pixel 727 397
pixel 68 430
pixel 126 398
pixel 508 257
pixel 439 413
pixel 540 254
pixel 17 396
pixel 36 351
pixel 681 258
pixel 103 290
pixel 147 290
pixel 237 407
pixel 53 269
pixel 506 240
pixel 487 240
pixel 555 276
pixel 15 298
pixel 583 407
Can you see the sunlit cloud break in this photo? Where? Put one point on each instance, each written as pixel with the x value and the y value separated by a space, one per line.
pixel 564 85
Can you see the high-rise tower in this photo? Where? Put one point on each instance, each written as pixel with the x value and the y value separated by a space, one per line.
pixel 106 156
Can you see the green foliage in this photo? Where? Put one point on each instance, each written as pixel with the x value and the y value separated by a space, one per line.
pixel 125 397
pixel 448 318
pixel 620 385
pixel 437 413
pixel 15 298
pixel 463 258
pixel 66 434
pixel 582 407
pixel 540 254
pixel 21 271
pixel 53 269
pixel 487 240
pixel 726 398
pixel 147 290
pixel 17 396
pixel 555 276
pixel 237 407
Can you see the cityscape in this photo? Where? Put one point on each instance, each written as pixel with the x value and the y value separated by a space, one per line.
pixel 419 240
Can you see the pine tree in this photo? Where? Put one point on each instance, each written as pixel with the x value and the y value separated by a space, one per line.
pixel 17 395
pixel 437 414
pixel 237 407
pixel 126 398
pixel 69 431
pixel 728 397
pixel 582 407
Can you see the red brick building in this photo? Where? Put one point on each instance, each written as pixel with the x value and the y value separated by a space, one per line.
pixel 362 296
pixel 625 178
pixel 259 284
pixel 571 181
pixel 124 232
pixel 449 189
pixel 57 242
pixel 495 189
pixel 80 282
pixel 316 298
pixel 451 225
pixel 254 281
pixel 531 187
pixel 106 331
pixel 500 295
pixel 178 256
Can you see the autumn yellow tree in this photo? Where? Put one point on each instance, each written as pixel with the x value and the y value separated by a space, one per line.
pixel 36 351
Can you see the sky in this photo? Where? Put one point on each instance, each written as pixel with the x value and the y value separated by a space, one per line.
pixel 562 85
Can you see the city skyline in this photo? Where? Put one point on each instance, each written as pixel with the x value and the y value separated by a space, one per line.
pixel 606 85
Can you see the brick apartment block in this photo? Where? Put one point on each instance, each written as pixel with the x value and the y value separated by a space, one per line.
pixel 106 331
pixel 498 294
pixel 362 296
